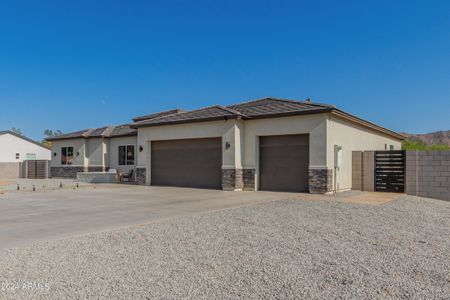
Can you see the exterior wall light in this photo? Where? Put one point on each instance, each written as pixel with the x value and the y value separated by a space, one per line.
pixel 141 148
pixel 227 145
pixel 54 154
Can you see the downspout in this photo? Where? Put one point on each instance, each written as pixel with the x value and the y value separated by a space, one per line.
pixel 337 164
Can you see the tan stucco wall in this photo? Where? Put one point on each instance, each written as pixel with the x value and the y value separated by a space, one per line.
pixel 95 152
pixel 227 130
pixel 114 144
pixel 78 146
pixel 352 137
pixel 242 136
pixel 314 125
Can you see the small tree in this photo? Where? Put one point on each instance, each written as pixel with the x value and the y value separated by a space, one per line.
pixel 16 131
pixel 50 133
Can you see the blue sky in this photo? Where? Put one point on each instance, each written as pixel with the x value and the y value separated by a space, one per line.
pixel 71 65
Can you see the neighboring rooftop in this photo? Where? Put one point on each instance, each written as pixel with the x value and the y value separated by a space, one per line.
pixel 22 137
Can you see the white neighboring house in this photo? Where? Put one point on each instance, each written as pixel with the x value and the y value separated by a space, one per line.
pixel 14 149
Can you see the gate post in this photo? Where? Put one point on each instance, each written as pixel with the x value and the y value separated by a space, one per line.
pixel 368 171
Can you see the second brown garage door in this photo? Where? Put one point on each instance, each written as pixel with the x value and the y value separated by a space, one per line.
pixel 187 163
pixel 284 163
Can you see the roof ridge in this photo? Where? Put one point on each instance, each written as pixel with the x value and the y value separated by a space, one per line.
pixel 87 132
pixel 164 116
pixel 107 132
pixel 231 110
pixel 284 100
pixel 303 101
pixel 165 113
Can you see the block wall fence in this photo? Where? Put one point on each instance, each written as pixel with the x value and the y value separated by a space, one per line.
pixel 427 173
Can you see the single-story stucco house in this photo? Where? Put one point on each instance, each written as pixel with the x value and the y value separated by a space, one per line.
pixel 265 144
pixel 16 148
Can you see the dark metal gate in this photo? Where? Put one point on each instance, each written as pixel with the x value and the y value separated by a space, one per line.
pixel 390 171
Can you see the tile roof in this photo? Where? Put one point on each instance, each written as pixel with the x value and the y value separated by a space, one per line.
pixel 275 106
pixel 261 108
pixel 107 131
pixel 157 115
pixel 71 135
pixel 216 112
pixel 112 131
pixel 123 130
pixel 265 107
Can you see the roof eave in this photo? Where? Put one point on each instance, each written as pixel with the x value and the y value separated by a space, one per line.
pixel 122 135
pixel 287 114
pixel 136 126
pixel 51 139
pixel 56 138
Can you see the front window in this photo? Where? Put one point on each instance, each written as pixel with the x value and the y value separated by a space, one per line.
pixel 126 155
pixel 66 155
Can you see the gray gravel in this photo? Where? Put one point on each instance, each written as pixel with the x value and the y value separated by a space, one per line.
pixel 284 249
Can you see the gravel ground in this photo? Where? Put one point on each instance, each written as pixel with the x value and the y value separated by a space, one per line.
pixel 283 249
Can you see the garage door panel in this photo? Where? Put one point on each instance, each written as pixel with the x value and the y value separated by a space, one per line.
pixel 284 163
pixel 187 163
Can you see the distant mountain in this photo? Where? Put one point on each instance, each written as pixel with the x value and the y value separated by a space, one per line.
pixel 439 137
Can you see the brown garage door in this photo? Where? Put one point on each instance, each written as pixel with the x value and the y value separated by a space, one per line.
pixel 284 162
pixel 187 163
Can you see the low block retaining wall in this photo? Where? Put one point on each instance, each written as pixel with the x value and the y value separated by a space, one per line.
pixel 11 170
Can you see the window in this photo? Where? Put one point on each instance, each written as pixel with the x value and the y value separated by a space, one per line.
pixel 391 147
pixel 66 155
pixel 126 155
pixel 31 156
pixel 17 155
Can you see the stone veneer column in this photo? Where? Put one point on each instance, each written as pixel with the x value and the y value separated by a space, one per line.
pixel 238 179
pixel 141 176
pixel 249 179
pixel 232 179
pixel 320 181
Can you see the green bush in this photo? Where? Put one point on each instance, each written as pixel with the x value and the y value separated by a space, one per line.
pixel 419 145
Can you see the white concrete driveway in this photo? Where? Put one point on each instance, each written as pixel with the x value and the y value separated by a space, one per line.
pixel 27 217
